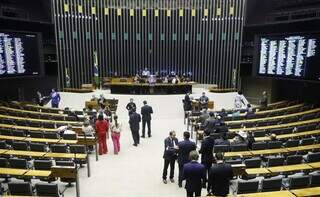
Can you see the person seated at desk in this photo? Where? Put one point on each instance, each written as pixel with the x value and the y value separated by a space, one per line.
pixel 222 140
pixel 264 100
pixel 67 129
pixel 203 101
pixel 137 78
pixel 249 111
pixel 145 72
pixel 101 101
pixel 204 116
pixel 175 80
pixel 223 113
pixel 165 79
pixel 240 138
pixel 93 98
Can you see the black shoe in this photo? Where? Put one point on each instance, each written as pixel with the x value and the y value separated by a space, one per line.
pixel 180 185
pixel 149 135
pixel 142 136
pixel 164 181
pixel 172 180
pixel 135 144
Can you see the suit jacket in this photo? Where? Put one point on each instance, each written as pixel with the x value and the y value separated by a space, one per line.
pixel 187 103
pixel 130 106
pixel 210 124
pixel 195 175
pixel 203 117
pixel 169 151
pixel 185 147
pixel 146 112
pixel 219 179
pixel 134 121
pixel 206 150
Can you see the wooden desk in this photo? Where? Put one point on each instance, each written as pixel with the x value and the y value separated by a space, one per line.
pixel 2 151
pixel 268 194
pixel 304 148
pixel 31 112
pixel 311 191
pixel 255 171
pixel 42 140
pixel 65 155
pixel 27 128
pixel 273 118
pixel 238 154
pixel 314 165
pixel 289 168
pixel 292 124
pixel 38 173
pixel 25 153
pixel 269 151
pixel 7 137
pixel 13 171
pixel 291 135
pixel 41 120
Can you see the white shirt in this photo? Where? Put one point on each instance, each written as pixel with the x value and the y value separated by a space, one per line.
pixel 116 129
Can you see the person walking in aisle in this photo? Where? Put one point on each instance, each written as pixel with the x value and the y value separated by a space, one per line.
pixel 55 98
pixel 184 149
pixel 134 122
pixel 146 112
pixel 195 175
pixel 130 106
pixel 102 131
pixel 116 129
pixel 169 156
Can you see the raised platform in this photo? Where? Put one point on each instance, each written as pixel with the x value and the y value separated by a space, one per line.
pixel 145 88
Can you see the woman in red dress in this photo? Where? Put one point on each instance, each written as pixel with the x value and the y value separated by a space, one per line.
pixel 102 128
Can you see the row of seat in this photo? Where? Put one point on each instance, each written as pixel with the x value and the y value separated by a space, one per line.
pixel 26 189
pixel 265 145
pixel 40 147
pixel 271 161
pixel 38 134
pixel 306 115
pixel 276 184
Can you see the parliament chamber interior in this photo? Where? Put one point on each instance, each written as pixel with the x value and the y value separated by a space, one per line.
pixel 162 98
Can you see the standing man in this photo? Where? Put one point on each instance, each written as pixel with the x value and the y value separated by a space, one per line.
pixel 146 112
pixel 55 98
pixel 264 100
pixel 195 175
pixel 184 149
pixel 169 156
pixel 203 101
pixel 219 177
pixel 239 101
pixel 206 152
pixel 210 124
pixel 134 122
pixel 187 102
pixel 130 106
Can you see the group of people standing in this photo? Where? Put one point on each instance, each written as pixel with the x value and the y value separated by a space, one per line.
pixel 197 175
pixel 135 119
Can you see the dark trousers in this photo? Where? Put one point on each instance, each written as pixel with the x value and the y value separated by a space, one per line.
pixel 168 162
pixel 135 136
pixel 208 166
pixel 144 127
pixel 180 173
pixel 55 105
pixel 194 193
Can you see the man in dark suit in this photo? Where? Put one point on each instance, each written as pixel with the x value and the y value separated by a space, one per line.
pixel 184 149
pixel 195 175
pixel 206 152
pixel 169 156
pixel 146 112
pixel 130 106
pixel 210 124
pixel 219 177
pixel 187 102
pixel 134 122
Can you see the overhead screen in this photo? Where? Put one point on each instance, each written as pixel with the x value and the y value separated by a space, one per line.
pixel 19 54
pixel 295 56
